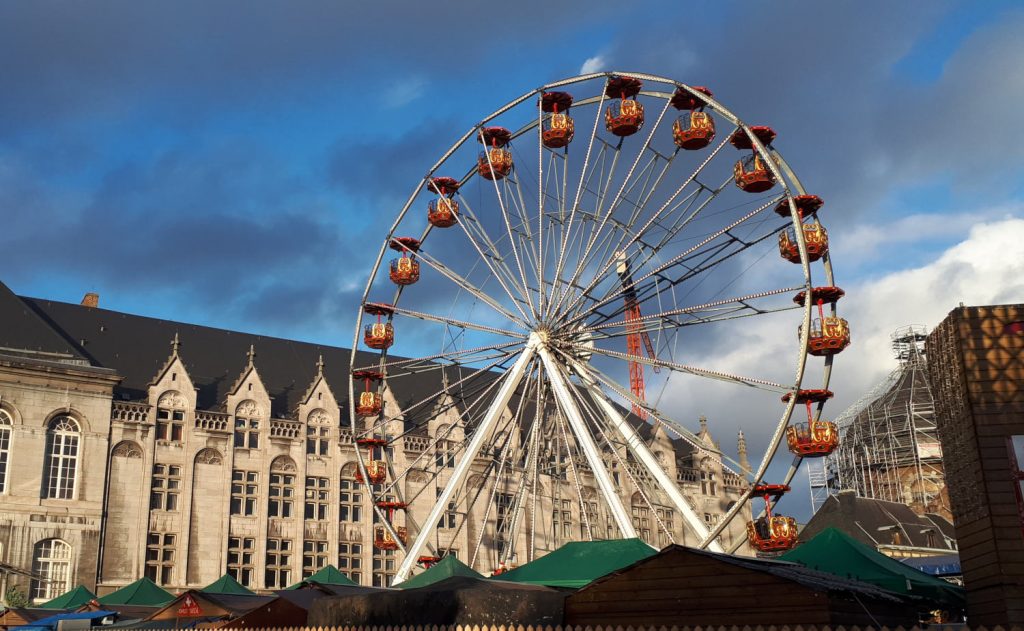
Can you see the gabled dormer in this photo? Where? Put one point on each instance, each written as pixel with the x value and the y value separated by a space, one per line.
pixel 248 402
pixel 318 395
pixel 172 384
pixel 318 411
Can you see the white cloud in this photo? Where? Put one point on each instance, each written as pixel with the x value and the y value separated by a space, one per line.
pixel 593 64
pixel 985 267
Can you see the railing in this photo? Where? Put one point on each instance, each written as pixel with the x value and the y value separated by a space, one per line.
pixel 415 444
pixel 212 421
pixel 130 412
pixel 283 428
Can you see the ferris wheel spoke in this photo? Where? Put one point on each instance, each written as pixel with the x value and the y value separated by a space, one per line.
pixel 560 264
pixel 491 254
pixel 418 365
pixel 476 291
pixel 690 252
pixel 508 226
pixel 659 216
pixel 752 382
pixel 460 324
pixel 581 265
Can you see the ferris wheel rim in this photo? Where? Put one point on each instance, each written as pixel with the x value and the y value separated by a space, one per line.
pixel 524 337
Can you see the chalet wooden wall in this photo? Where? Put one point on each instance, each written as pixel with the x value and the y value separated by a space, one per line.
pixel 976 366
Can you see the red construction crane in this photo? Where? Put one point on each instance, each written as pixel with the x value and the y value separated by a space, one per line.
pixel 636 335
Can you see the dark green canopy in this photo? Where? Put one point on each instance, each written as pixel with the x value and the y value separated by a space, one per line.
pixel 329 575
pixel 447 567
pixel 836 552
pixel 142 592
pixel 227 585
pixel 579 563
pixel 70 600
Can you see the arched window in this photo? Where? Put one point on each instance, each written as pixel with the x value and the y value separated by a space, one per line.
pixel 5 447
pixel 247 425
pixel 170 416
pixel 350 494
pixel 282 487
pixel 318 433
pixel 51 564
pixel 62 445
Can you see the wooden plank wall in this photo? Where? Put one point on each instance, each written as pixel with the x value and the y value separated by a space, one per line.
pixel 977 372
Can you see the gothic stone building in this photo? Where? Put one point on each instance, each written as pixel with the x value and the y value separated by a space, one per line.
pixel 131 446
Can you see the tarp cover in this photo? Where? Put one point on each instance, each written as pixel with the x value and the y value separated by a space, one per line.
pixel 141 592
pixel 578 563
pixel 457 600
pixel 52 621
pixel 227 585
pixel 835 552
pixel 940 565
pixel 70 600
pixel 329 575
pixel 447 567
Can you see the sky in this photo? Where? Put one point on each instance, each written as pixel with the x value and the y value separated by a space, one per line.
pixel 235 164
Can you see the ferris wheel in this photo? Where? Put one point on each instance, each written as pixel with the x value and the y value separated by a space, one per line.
pixel 562 273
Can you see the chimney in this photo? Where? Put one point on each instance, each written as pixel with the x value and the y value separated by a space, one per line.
pixel 91 300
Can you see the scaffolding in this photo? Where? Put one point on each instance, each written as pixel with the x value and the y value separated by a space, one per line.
pixel 889 447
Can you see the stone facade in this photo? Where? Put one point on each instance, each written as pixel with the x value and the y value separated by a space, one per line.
pixel 164 488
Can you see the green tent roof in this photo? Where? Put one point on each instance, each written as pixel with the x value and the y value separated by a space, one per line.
pixel 329 575
pixel 70 600
pixel 142 592
pixel 447 567
pixel 838 553
pixel 578 563
pixel 227 585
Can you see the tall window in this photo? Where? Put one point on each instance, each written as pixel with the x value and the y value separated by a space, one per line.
pixel 314 557
pixel 170 417
pixel 243 492
pixel 317 497
pixel 5 447
pixel 350 505
pixel 383 567
pixel 592 518
pixel 667 517
pixel 282 494
pixel 444 450
pixel 642 522
pixel 708 485
pixel 51 563
pixel 449 516
pixel 247 426
pixel 561 520
pixel 279 558
pixel 350 560
pixel 62 439
pixel 318 433
pixel 503 518
pixel 160 557
pixel 166 487
pixel 241 555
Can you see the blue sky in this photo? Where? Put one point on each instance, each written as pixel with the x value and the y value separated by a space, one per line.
pixel 234 163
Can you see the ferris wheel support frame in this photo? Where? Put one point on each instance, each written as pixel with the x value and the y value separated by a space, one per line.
pixel 586 443
pixel 512 381
pixel 644 455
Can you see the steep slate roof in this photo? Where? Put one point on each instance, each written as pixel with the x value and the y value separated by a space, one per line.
pixel 141 592
pixel 862 517
pixel 137 348
pixel 70 600
pixel 22 329
pixel 227 585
